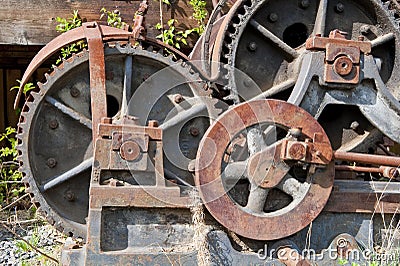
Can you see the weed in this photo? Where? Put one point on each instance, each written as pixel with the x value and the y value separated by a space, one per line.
pixel 113 18
pixel 67 24
pixel 11 186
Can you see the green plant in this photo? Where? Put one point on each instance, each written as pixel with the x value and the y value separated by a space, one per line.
pixel 10 184
pixel 199 14
pixel 113 18
pixel 67 24
pixel 171 36
pixel 27 87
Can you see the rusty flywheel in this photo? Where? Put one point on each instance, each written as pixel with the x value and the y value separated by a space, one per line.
pixel 285 152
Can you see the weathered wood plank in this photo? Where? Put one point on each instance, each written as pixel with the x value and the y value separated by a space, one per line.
pixel 32 22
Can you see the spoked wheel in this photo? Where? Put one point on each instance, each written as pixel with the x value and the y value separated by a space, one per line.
pixel 258 173
pixel 55 128
pixel 266 40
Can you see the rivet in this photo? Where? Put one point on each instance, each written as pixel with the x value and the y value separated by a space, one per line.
pixel 53 124
pixel 304 3
pixel 178 98
pixel 252 46
pixel 74 92
pixel 273 17
pixel 339 8
pixel 51 162
pixel 194 131
pixel 354 125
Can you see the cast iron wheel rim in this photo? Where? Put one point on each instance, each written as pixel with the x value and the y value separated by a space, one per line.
pixel 66 205
pixel 259 226
pixel 276 70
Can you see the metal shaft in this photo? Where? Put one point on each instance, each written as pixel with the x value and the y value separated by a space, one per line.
pixel 367 158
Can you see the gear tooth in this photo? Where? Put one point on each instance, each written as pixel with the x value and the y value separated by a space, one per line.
pixel 28 190
pixel 25 179
pixel 19 136
pixel 35 95
pixel 47 76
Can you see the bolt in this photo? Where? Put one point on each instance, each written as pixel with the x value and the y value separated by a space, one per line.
pixel 69 196
pixel 297 151
pixel 304 3
pixel 178 98
pixel 339 8
pixel 273 17
pixel 365 29
pixel 194 131
pixel 354 125
pixel 74 92
pixel 51 162
pixel 252 46
pixel 53 124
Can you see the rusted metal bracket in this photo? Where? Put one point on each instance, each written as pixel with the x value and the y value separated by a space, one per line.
pixel 138 27
pixel 342 58
pixel 97 71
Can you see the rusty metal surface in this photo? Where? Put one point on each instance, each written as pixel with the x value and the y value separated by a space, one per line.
pixel 241 220
pixel 342 59
pixel 368 158
pixel 65 39
pixel 97 74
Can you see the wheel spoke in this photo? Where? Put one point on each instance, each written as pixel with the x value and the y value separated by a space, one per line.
pixel 126 93
pixel 275 89
pixel 55 181
pixel 183 116
pixel 257 198
pixel 289 51
pixel 320 20
pixel 234 171
pixel 70 112
pixel 382 40
pixel 292 187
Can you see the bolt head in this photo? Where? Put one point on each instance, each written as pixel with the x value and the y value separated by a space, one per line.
pixel 252 46
pixel 74 92
pixel 178 98
pixel 304 3
pixel 194 131
pixel 339 8
pixel 53 124
pixel 273 17
pixel 354 125
pixel 51 162
pixel 69 196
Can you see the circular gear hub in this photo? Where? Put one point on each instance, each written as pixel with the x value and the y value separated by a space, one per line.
pixel 239 191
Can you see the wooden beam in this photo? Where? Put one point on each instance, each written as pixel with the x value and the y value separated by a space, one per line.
pixel 33 22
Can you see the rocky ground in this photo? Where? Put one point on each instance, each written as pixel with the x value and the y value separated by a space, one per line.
pixel 39 234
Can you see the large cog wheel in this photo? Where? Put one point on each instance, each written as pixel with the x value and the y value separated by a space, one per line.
pixel 55 126
pixel 266 40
